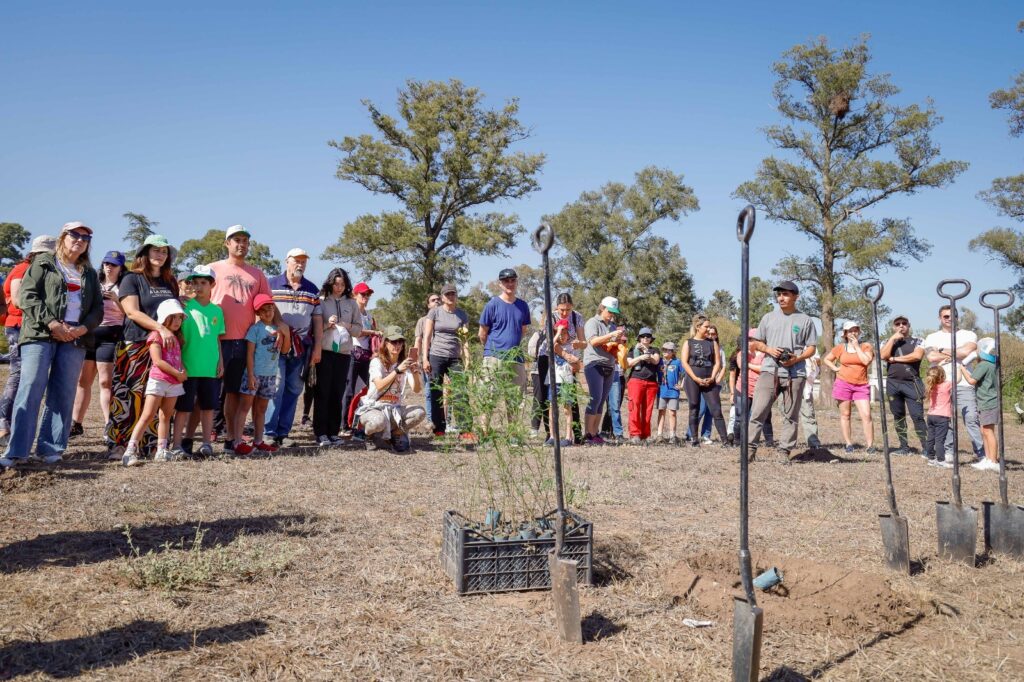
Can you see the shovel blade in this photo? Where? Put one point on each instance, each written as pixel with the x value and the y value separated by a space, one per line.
pixel 958 531
pixel 566 595
pixel 746 640
pixel 896 541
pixel 1004 529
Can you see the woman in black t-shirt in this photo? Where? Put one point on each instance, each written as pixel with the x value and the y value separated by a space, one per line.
pixel 149 282
pixel 701 362
pixel 642 387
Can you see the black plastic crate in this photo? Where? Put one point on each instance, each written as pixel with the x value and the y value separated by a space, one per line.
pixel 477 563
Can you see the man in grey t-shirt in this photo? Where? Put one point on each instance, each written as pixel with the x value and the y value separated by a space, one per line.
pixel 787 337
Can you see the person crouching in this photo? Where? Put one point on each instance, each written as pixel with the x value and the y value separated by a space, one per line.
pixel 382 413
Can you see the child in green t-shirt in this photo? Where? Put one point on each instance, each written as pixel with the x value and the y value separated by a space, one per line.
pixel 983 378
pixel 203 330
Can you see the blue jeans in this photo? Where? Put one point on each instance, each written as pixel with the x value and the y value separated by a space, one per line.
pixel 51 368
pixel 13 377
pixel 281 410
pixel 615 406
pixel 430 408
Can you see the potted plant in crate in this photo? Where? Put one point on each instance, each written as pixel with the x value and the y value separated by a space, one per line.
pixel 499 538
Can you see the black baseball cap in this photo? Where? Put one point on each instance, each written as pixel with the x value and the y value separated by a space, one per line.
pixel 786 285
pixel 508 273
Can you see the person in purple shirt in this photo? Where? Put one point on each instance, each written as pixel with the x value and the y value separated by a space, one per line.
pixel 503 323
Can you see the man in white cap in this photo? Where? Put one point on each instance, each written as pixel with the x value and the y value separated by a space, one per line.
pixel 237 284
pixel 298 300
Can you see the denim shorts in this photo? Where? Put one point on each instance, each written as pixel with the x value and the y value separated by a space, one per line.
pixel 266 386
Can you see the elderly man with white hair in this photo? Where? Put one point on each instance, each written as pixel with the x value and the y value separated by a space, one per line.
pixel 298 300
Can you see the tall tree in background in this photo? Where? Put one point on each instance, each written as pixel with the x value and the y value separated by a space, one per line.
pixel 1006 196
pixel 442 159
pixel 13 240
pixel 851 149
pixel 605 248
pixel 139 227
pixel 210 248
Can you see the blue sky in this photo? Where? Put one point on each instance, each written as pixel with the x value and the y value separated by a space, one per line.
pixel 202 118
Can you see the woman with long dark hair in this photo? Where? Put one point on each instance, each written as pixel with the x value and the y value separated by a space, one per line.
pixel 342 324
pixel 99 353
pixel 60 303
pixel 383 413
pixel 149 282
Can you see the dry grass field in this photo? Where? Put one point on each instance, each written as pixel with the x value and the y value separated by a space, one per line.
pixel 324 565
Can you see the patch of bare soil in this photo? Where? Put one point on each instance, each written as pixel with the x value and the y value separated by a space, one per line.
pixel 812 598
pixel 25 480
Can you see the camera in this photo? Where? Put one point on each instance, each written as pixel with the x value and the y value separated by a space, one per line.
pixel 785 356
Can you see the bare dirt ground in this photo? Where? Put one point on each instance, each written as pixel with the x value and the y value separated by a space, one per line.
pixel 325 566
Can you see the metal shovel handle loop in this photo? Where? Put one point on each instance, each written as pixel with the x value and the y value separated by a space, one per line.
pixel 870 292
pixel 745 224
pixel 543 238
pixel 985 295
pixel 944 284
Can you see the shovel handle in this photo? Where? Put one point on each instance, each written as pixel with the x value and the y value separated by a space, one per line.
pixel 869 291
pixel 543 238
pixel 745 224
pixel 983 299
pixel 940 289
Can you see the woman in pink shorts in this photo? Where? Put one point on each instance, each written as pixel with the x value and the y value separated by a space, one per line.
pixel 850 360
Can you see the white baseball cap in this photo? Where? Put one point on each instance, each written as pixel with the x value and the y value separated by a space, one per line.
pixel 236 229
pixel 297 253
pixel 611 304
pixel 850 324
pixel 169 307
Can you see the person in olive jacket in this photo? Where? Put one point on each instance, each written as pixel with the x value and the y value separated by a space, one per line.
pixel 61 302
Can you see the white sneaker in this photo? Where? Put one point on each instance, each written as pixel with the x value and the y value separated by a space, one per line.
pixel 162 455
pixel 53 459
pixel 130 457
pixel 323 441
pixel 705 440
pixel 944 464
pixel 985 465
pixel 949 460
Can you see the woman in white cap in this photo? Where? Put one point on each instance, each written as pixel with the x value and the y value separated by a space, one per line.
pixel 60 302
pixel 44 243
pixel 598 364
pixel 850 360
pixel 149 282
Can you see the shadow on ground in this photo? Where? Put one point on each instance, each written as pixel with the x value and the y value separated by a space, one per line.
pixel 72 548
pixel 117 646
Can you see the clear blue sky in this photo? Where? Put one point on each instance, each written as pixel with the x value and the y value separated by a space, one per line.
pixel 202 118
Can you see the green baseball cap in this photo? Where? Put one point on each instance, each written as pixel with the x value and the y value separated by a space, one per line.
pixel 394 333
pixel 159 241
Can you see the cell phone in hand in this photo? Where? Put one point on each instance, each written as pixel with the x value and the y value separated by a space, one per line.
pixel 414 354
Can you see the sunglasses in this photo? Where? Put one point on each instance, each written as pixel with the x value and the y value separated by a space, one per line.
pixel 947 317
pixel 435 300
pixel 80 237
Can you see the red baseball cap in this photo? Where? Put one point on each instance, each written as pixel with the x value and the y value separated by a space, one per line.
pixel 261 300
pixel 362 288
pixel 563 322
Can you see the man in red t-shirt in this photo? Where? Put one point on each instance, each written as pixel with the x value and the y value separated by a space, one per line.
pixel 236 285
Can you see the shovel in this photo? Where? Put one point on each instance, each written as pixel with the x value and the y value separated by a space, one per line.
pixel 895 534
pixel 564 588
pixel 1004 522
pixel 958 525
pixel 747 616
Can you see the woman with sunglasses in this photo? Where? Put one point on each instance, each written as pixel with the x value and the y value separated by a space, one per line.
pixel 702 363
pixel 444 352
pixel 60 303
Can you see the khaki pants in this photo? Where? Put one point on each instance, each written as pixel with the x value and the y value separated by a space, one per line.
pixel 769 387
pixel 492 364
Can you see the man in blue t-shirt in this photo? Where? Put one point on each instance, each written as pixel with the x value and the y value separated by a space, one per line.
pixel 503 323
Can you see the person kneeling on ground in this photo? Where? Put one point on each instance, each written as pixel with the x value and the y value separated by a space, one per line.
pixel 382 413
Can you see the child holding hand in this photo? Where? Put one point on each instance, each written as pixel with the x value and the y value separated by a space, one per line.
pixel 166 376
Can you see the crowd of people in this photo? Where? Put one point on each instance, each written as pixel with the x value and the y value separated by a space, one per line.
pixel 181 360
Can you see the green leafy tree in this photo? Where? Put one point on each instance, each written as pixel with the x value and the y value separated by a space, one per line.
pixel 847 148
pixel 139 228
pixel 210 248
pixel 443 159
pixel 722 305
pixel 1006 195
pixel 530 289
pixel 13 240
pixel 604 247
